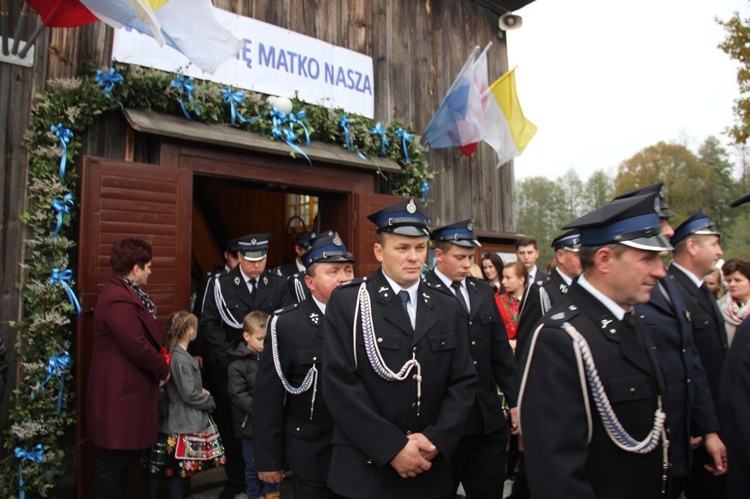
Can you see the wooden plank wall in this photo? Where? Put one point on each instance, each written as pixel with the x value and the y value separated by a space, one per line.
pixel 417 48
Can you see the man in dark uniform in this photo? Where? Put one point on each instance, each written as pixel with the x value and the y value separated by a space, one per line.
pixel 696 250
pixel 479 460
pixel 688 404
pixel 235 294
pixel 591 389
pixel 291 422
pixel 397 359
pixel 734 408
pixel 545 292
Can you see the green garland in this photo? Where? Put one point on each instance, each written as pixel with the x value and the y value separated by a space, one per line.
pixel 45 328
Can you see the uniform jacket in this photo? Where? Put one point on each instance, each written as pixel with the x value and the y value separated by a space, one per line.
pixel 492 355
pixel 205 287
pixel 243 368
pixel 534 305
pixel 709 334
pixel 288 432
pixel 126 367
pixel 373 416
pixel 287 270
pixel 188 405
pixel 560 462
pixel 688 402
pixel 735 413
pixel 272 294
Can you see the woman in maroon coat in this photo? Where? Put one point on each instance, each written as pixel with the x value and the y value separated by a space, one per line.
pixel 127 369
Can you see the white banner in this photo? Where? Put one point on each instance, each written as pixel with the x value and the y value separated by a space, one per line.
pixel 272 61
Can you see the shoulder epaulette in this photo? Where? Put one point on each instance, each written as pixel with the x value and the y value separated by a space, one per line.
pixel 356 280
pixel 286 309
pixel 562 316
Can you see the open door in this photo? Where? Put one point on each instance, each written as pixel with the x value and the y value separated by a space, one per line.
pixel 118 200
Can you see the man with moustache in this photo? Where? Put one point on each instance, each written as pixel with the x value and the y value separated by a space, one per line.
pixel 397 359
pixel 291 423
pixel 590 403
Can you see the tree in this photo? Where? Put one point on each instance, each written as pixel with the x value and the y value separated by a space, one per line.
pixel 685 177
pixel 598 191
pixel 721 189
pixel 736 46
pixel 541 212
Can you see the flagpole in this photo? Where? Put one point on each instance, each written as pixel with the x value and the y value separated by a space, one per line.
pixel 20 25
pixel 34 35
pixel 4 26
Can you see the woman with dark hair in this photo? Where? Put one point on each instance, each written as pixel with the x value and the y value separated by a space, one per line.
pixel 127 369
pixel 735 305
pixel 492 270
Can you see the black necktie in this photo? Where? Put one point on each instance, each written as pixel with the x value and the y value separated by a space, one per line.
pixel 404 297
pixel 456 285
pixel 631 321
pixel 254 286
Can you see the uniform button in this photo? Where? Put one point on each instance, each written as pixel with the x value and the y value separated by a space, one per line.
pixel 473 342
pixel 380 340
pixel 298 428
pixel 632 389
pixel 408 432
pixel 475 362
pixel 413 405
pixel 684 350
pixel 688 380
pixel 414 349
pixel 369 461
pixel 314 359
pixel 668 430
pixel 471 323
pixel 442 343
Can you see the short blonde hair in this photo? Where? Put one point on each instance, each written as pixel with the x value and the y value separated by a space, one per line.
pixel 254 321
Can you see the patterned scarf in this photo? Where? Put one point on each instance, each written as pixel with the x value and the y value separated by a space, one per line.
pixel 510 310
pixel 142 295
pixel 733 313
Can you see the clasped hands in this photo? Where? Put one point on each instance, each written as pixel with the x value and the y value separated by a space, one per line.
pixel 415 457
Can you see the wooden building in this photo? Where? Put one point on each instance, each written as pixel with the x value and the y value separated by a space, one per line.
pixel 184 187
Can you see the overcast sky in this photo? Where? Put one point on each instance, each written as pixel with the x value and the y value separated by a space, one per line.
pixel 604 79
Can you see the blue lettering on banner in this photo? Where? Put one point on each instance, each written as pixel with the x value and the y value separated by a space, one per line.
pixel 329 74
pixel 267 59
pixel 244 53
pixel 281 61
pixel 313 74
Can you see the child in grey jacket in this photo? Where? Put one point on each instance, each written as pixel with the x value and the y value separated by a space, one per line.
pixel 188 440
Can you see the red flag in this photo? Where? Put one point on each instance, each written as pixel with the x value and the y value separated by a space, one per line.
pixel 62 13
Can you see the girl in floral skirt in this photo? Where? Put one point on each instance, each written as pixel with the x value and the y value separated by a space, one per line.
pixel 188 438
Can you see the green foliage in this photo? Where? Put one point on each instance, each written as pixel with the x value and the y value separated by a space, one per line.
pixel 45 328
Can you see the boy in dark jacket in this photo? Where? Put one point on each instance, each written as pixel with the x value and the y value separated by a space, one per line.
pixel 243 366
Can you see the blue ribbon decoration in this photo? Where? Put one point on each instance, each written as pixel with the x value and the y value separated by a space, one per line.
pixel 297 119
pixel 57 366
pixel 345 125
pixel 186 86
pixel 405 137
pixel 64 134
pixel 62 207
pixel 35 455
pixel 62 278
pixel 108 81
pixel 425 190
pixel 379 129
pixel 278 120
pixel 234 98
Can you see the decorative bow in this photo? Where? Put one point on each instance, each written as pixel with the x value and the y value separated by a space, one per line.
pixel 167 356
pixel 64 134
pixel 345 125
pixel 379 129
pixel 405 137
pixel 108 80
pixel 57 366
pixel 279 119
pixel 62 207
pixel 185 86
pixel 425 190
pixel 62 278
pixel 297 119
pixel 234 98
pixel 35 455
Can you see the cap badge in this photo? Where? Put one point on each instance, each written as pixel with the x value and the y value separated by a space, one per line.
pixel 337 240
pixel 253 241
pixel 470 226
pixel 411 207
